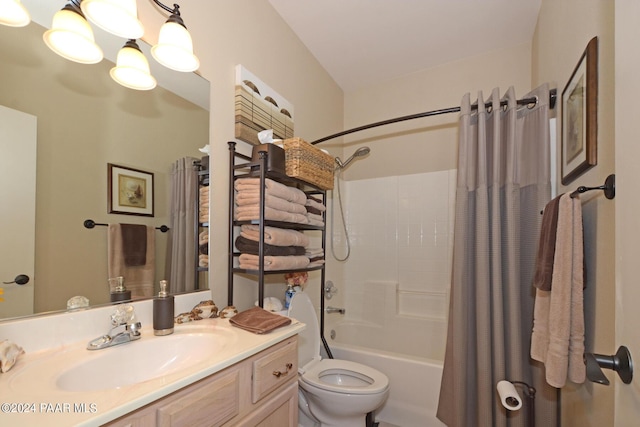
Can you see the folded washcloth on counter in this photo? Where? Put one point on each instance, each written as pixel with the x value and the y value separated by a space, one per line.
pixel 275 236
pixel 273 263
pixel 249 213
pixel 250 199
pixel 259 320
pixel 273 188
pixel 249 246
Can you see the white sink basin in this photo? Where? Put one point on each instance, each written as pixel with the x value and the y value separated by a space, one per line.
pixel 139 361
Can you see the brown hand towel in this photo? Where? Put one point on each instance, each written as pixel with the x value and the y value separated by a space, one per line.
pixel 546 246
pixel 258 320
pixel 249 246
pixel 134 244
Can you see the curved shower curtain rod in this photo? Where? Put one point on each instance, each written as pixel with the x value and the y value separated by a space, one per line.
pixel 524 101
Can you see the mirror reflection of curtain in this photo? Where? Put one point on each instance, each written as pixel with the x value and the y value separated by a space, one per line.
pixel 182 243
pixel 503 183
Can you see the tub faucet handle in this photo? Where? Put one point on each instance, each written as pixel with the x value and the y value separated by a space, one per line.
pixel 329 290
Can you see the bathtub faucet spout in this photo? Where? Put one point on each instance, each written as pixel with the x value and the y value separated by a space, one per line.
pixel 330 309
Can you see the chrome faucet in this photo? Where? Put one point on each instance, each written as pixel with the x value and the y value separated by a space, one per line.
pixel 334 310
pixel 123 329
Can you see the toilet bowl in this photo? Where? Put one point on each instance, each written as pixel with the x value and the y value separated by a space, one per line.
pixel 336 392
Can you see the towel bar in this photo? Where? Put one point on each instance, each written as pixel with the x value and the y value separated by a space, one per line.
pixel 89 223
pixel 609 188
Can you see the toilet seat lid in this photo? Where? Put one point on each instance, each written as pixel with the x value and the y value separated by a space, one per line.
pixel 374 380
pixel 301 309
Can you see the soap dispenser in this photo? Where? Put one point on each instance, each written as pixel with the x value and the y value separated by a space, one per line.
pixel 163 311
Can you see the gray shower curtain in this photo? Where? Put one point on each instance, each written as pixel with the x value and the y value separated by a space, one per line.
pixel 182 243
pixel 503 185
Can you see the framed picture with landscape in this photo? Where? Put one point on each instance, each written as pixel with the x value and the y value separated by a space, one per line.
pixel 129 191
pixel 580 116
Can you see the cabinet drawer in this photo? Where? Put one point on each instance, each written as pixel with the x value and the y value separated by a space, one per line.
pixel 275 369
pixel 211 405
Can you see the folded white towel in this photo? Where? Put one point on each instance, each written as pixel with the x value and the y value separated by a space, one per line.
pixel 315 204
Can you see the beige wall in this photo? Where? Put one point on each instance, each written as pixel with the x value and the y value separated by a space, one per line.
pixel 563 31
pixel 426 144
pixel 86 120
pixel 627 93
pixel 251 33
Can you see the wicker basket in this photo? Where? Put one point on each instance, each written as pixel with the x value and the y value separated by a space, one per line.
pixel 308 163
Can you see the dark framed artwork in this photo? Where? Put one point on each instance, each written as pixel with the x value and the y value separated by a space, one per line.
pixel 129 191
pixel 579 150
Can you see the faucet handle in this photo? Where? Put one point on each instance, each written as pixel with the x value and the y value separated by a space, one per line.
pixel 123 315
pixel 134 328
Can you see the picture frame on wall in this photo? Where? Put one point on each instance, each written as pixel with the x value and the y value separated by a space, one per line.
pixel 129 191
pixel 579 150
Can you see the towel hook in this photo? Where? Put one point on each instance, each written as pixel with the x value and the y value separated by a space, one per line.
pixel 609 188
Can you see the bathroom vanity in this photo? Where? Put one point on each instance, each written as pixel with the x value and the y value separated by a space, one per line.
pixel 206 373
pixel 261 390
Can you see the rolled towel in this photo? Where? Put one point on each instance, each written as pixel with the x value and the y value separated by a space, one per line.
pixel 274 188
pixel 259 320
pixel 242 199
pixel 275 236
pixel 273 263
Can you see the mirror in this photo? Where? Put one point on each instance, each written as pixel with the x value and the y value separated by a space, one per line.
pixel 84 121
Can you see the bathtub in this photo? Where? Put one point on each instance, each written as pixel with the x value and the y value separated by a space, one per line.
pixel 415 381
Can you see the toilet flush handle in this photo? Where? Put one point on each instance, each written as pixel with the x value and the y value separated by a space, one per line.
pixel 279 374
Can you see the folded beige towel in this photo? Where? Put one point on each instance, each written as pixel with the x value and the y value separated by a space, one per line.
pixel 316 205
pixel 273 263
pixel 275 236
pixel 258 320
pixel 315 219
pixel 274 188
pixel 243 199
pixel 203 237
pixel 249 213
pixel 557 339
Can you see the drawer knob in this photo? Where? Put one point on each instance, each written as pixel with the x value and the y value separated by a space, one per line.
pixel 279 374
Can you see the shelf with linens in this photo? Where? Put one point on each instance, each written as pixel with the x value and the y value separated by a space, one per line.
pixel 202 223
pixel 251 234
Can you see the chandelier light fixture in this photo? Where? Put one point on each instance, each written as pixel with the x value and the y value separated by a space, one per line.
pixel 72 37
pixel 13 13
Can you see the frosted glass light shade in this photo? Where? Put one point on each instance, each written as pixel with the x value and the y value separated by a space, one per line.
pixel 13 13
pixel 132 68
pixel 71 37
pixel 175 48
pixel 118 17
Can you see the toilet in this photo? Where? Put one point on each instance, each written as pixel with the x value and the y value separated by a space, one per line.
pixel 332 392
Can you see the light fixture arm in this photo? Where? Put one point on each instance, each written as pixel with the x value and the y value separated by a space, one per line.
pixel 175 10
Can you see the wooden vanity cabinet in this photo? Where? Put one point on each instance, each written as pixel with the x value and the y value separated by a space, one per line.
pixel 261 390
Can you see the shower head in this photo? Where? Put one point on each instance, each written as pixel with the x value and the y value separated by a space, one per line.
pixel 360 152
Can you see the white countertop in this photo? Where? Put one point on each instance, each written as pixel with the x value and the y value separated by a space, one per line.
pixel 29 396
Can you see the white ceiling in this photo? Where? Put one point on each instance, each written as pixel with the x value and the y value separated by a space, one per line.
pixel 364 42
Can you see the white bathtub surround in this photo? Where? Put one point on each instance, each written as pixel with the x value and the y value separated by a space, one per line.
pixel 395 287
